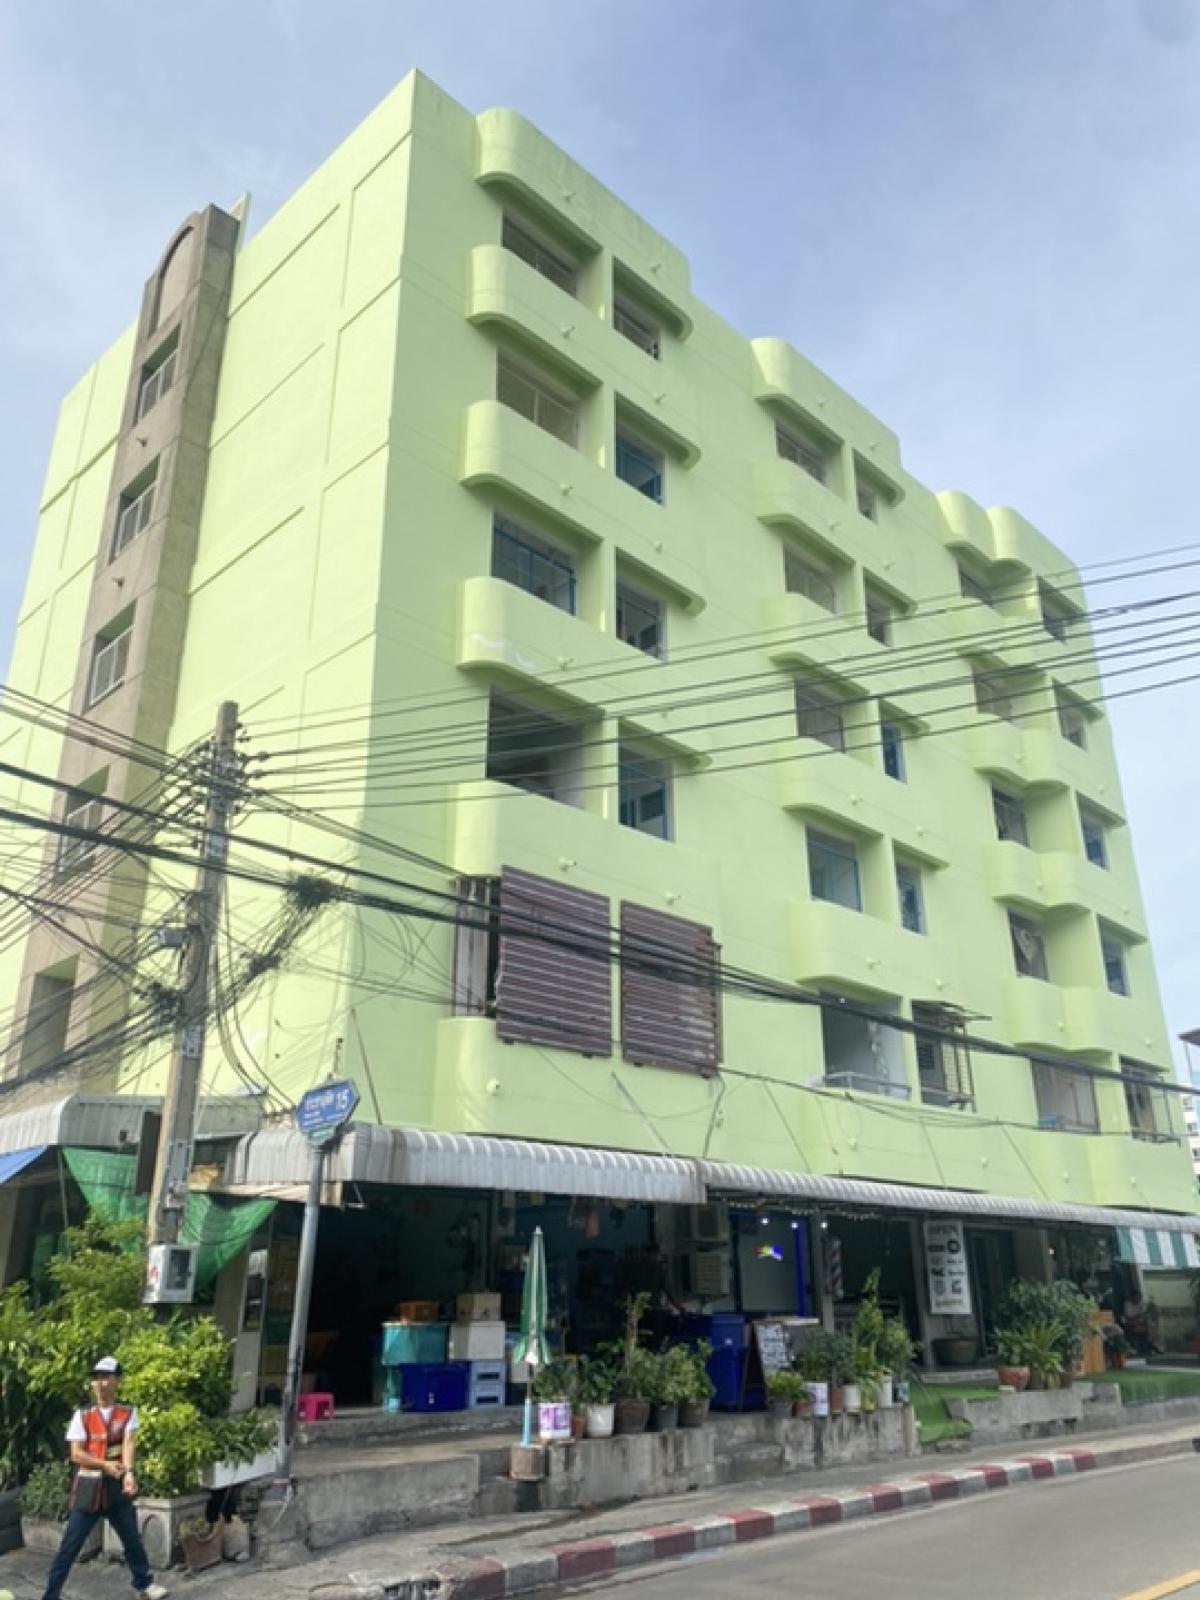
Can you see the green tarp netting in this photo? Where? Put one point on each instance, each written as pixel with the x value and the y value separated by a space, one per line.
pixel 221 1228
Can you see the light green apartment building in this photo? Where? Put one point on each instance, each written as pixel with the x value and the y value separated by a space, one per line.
pixel 516 556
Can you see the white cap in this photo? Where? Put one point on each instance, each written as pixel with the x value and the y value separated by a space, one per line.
pixel 106 1367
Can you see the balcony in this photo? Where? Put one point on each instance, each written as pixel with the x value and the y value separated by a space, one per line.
pixel 1097 1019
pixel 504 450
pixel 508 633
pixel 508 292
pixel 785 378
pixel 1018 753
pixel 834 946
pixel 1057 880
pixel 847 792
pixel 1053 760
pixel 1035 1014
pixel 785 496
pixel 514 156
pixel 966 525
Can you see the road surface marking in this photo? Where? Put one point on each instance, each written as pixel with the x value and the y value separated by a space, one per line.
pixel 1186 1580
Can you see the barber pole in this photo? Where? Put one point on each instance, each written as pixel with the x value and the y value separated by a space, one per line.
pixel 837 1285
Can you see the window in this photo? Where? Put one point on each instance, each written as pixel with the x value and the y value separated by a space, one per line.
pixel 1012 824
pixel 83 810
pixel 1146 1104
pixel 833 871
pixel 44 1035
pixel 1072 718
pixel 943 1063
pixel 522 241
pixel 880 615
pixel 819 715
pixel 111 658
pixel 640 466
pixel 533 752
pixel 892 742
pixel 531 564
pixel 868 502
pixel 1095 838
pixel 861 1051
pixel 536 955
pixel 158 375
pixel 640 621
pixel 993 696
pixel 972 587
pixel 1028 947
pixel 912 906
pixel 1057 616
pixel 638 328
pixel 666 1020
pixel 538 399
pixel 803 452
pixel 1066 1100
pixel 644 791
pixel 133 513
pixel 804 574
pixel 1112 951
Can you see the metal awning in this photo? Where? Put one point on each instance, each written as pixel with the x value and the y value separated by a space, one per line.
pixel 114 1121
pixel 276 1160
pixel 18 1160
pixel 817 1189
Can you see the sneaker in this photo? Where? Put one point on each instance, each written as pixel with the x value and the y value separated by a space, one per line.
pixel 154 1592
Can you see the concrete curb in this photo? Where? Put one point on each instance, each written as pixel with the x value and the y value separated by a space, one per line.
pixel 530 1569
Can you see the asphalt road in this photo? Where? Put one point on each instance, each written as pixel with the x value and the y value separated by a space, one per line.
pixel 1131 1533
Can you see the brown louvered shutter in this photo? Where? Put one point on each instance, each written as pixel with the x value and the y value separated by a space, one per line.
pixel 670 1003
pixel 554 978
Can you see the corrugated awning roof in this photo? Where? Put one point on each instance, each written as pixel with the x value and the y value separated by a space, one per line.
pixel 277 1159
pixel 113 1121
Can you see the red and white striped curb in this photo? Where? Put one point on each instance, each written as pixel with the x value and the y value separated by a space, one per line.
pixel 497 1578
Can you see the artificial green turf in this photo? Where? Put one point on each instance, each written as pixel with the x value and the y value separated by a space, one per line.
pixel 933 1420
pixel 1141 1385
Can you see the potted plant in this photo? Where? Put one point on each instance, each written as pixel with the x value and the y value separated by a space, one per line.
pixel 552 1388
pixel 1116 1347
pixel 781 1393
pixel 1013 1368
pixel 866 1378
pixel 693 1409
pixel 636 1371
pixel 896 1351
pixel 202 1543
pixel 675 1382
pixel 814 1368
pixel 1043 1352
pixel 840 1355
pixel 595 1396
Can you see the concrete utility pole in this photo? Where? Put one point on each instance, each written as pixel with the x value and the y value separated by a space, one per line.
pixel 176 1141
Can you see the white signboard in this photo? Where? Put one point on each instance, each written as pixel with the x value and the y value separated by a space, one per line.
pixel 946 1261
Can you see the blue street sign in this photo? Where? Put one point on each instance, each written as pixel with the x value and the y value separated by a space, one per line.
pixel 322 1111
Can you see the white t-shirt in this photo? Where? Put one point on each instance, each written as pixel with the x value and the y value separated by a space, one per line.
pixel 77 1433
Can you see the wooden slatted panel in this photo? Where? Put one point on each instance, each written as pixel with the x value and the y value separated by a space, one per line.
pixel 554 978
pixel 666 1022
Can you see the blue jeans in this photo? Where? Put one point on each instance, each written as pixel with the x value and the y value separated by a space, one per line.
pixel 123 1518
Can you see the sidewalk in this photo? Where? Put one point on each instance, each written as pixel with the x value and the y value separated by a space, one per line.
pixel 488 1559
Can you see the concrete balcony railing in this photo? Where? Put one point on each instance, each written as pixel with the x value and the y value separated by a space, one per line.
pixel 1097 1019
pixel 785 496
pixel 1058 880
pixel 511 634
pixel 508 292
pixel 783 378
pixel 832 945
pixel 848 792
pixel 1035 1014
pixel 503 449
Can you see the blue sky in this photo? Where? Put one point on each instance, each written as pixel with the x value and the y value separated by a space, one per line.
pixel 984 225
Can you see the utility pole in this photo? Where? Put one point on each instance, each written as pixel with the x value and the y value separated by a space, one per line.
pixel 176 1140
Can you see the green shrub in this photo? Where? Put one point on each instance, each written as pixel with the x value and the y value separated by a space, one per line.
pixel 46 1493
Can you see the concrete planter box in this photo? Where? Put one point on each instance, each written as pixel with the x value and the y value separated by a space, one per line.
pixel 159 1523
pixel 44 1536
pixel 1036 1414
pixel 222 1474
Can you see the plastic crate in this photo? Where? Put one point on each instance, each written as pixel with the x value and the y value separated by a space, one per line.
pixel 440 1387
pixel 408 1342
pixel 487 1384
pixel 477 1341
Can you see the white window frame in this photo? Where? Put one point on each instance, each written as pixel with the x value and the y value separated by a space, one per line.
pixel 806 574
pixel 543 403
pixel 633 324
pixel 639 776
pixel 110 662
pixel 803 452
pixel 87 811
pixel 157 379
pixel 1114 957
pixel 528 246
pixel 133 517
pixel 909 882
pixel 840 865
pixel 813 703
pixel 560 567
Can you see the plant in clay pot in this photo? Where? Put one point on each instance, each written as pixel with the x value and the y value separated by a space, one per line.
pixel 594 1392
pixel 1013 1367
pixel 1043 1353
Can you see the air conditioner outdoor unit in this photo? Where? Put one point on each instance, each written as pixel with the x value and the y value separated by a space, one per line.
pixel 708 1274
pixel 170 1275
pixel 709 1224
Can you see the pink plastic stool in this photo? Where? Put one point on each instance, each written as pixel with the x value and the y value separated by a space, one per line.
pixel 314 1407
